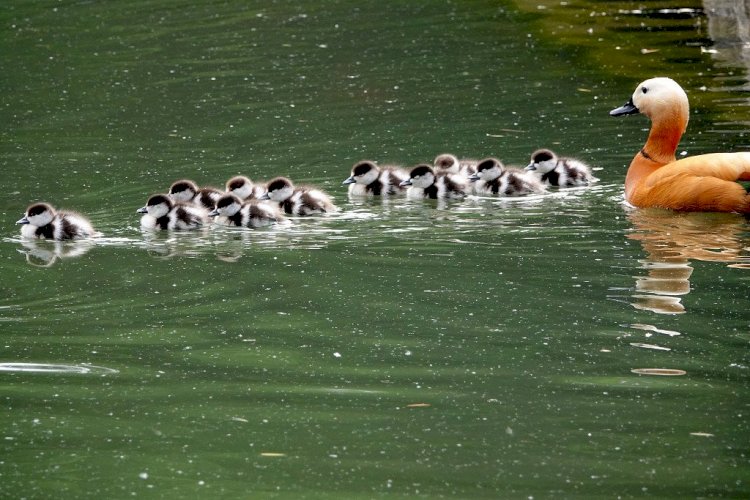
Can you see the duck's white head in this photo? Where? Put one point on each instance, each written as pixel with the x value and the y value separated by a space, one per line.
pixel 660 99
pixel 542 161
pixel 240 186
pixel 38 214
pixel 488 169
pixel 279 189
pixel 447 163
pixel 227 206
pixel 183 190
pixel 421 176
pixel 364 172
pixel 157 206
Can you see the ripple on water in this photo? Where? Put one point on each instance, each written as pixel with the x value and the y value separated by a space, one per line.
pixel 82 369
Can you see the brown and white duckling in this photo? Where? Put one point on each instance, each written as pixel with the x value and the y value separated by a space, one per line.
pixel 161 212
pixel 244 188
pixel 450 164
pixel 424 182
pixel 368 179
pixel 556 171
pixel 493 178
pixel 187 191
pixel 43 221
pixel 298 200
pixel 231 211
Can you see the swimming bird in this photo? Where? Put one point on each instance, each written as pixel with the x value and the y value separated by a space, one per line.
pixel 244 188
pixel 707 183
pixel 43 221
pixel 298 200
pixel 556 171
pixel 494 178
pixel 187 191
pixel 231 211
pixel 450 164
pixel 424 182
pixel 161 212
pixel 368 179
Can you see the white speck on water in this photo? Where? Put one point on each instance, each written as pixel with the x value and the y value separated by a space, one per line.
pixel 336 354
pixel 143 475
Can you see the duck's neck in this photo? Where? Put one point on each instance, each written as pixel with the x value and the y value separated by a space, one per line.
pixel 659 149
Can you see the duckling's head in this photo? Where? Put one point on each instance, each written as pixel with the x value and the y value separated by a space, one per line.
pixel 279 189
pixel 157 206
pixel 240 186
pixel 227 206
pixel 489 169
pixel 447 163
pixel 363 172
pixel 183 190
pixel 421 176
pixel 660 99
pixel 542 161
pixel 38 214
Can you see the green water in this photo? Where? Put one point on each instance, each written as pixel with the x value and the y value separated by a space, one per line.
pixel 479 348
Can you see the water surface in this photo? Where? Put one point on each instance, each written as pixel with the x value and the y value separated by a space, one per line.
pixel 479 348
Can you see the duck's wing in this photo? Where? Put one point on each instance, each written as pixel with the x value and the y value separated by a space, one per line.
pixel 702 183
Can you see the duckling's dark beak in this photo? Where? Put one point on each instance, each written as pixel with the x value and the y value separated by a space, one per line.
pixel 530 167
pixel 350 180
pixel 213 213
pixel 142 210
pixel 24 220
pixel 626 109
pixel 264 196
pixel 474 177
pixel 407 182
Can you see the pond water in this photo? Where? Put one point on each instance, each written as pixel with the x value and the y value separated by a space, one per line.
pixel 554 346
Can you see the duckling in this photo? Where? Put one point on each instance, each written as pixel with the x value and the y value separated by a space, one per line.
pixel 187 191
pixel 231 211
pixel 161 212
pixel 450 164
pixel 493 178
pixel 368 179
pixel 244 188
pixel 42 221
pixel 563 172
pixel 299 200
pixel 423 182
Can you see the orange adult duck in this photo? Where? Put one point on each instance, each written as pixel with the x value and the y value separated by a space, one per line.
pixel 703 183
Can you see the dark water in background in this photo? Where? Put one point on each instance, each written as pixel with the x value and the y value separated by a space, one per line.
pixel 482 348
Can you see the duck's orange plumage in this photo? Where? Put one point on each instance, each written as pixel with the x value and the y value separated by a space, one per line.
pixel 707 183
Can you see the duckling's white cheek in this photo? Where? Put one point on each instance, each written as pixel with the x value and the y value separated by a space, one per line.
pixel 28 231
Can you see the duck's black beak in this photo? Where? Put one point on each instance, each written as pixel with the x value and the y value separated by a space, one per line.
pixel 23 221
pixel 142 210
pixel 350 180
pixel 474 177
pixel 407 182
pixel 214 213
pixel 626 109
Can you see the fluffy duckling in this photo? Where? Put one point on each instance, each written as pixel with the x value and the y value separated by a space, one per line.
pixel 423 182
pixel 43 221
pixel 450 164
pixel 368 179
pixel 231 211
pixel 299 200
pixel 161 212
pixel 244 188
pixel 187 191
pixel 493 178
pixel 556 171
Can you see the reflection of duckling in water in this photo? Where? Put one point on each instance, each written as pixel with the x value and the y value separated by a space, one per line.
pixel 45 254
pixel 671 241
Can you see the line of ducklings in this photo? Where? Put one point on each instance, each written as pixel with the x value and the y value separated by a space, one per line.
pixel 246 204
pixel 451 177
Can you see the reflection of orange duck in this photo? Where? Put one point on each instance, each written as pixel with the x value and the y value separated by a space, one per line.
pixel 671 241
pixel 705 183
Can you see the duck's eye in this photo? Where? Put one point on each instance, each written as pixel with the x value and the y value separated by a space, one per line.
pixel 644 90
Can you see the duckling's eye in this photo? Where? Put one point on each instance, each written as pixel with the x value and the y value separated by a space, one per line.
pixel 644 90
